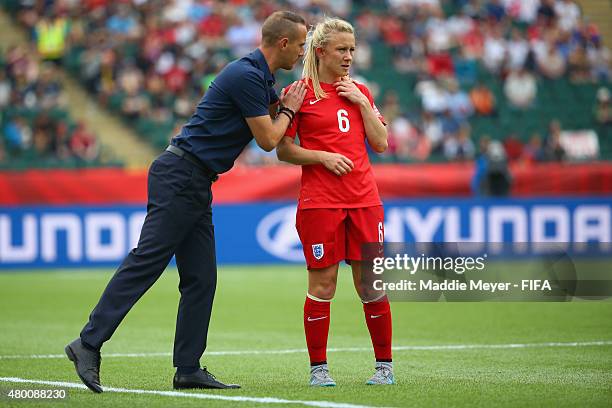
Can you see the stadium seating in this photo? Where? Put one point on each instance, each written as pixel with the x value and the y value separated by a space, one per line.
pixel 570 103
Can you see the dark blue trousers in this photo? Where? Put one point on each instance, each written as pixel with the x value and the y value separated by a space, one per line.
pixel 178 222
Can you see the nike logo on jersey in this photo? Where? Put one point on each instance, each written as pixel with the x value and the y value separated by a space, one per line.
pixel 374 316
pixel 310 319
pixel 315 101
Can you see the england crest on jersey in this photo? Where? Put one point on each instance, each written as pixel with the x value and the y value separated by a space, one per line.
pixel 317 251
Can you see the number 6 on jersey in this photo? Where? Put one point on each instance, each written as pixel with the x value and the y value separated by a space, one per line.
pixel 343 123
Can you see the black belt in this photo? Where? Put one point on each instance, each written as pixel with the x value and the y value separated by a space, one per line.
pixel 194 160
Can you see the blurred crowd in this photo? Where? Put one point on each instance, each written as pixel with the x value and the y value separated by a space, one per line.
pixel 152 59
pixel 34 122
pixel 442 128
pixel 518 43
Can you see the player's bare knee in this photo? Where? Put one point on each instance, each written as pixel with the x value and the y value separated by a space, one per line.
pixel 323 290
pixel 367 293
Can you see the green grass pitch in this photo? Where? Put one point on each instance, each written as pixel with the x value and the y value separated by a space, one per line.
pixel 260 308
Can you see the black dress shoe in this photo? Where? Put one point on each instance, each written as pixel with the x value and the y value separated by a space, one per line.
pixel 200 379
pixel 87 364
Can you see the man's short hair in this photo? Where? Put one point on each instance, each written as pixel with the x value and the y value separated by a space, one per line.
pixel 280 24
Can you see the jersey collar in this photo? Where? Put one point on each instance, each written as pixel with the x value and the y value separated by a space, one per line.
pixel 258 59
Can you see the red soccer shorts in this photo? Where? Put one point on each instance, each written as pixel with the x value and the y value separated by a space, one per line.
pixel 330 235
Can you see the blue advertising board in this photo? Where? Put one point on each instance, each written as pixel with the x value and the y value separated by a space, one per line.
pixel 88 236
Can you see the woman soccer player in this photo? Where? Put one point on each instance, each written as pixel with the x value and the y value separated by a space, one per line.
pixel 339 207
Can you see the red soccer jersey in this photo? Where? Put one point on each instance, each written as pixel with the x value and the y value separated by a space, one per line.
pixel 334 124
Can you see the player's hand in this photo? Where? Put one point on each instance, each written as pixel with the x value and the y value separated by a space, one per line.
pixel 337 163
pixel 347 89
pixel 293 96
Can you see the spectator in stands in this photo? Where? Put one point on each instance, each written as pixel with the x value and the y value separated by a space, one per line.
pixel 480 164
pixel 587 33
pixel 495 10
pixel 459 102
pixel 433 96
pixel 472 42
pixel 466 68
pixel 532 152
pixel 603 108
pixel 579 69
pixel 6 89
pixel 409 142
pixel 106 75
pixel 367 24
pixel 459 25
pixel 494 51
pixel 183 105
pixel 432 129
pixel 450 126
pixel 524 11
pixel 461 147
pixel 568 14
pixel 18 136
pixel 513 147
pixel 83 144
pixel 129 77
pixel 122 24
pixel 42 143
pixel 553 151
pixel 47 91
pixel 483 100
pixel 517 51
pixel 438 33
pixel 520 89
pixel 492 176
pixel 599 60
pixel 363 58
pixel 439 64
pixel 390 107
pixel 51 33
pixel 550 62
pixel 473 9
pixel 2 152
pixel 546 11
pixel 134 105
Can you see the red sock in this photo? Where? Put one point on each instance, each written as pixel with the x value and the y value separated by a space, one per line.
pixel 378 319
pixel 316 327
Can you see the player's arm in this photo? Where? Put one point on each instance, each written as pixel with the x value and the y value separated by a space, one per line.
pixel 273 109
pixel 267 131
pixel 290 152
pixel 375 130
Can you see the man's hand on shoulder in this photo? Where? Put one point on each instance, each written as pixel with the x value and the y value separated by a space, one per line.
pixel 268 132
pixel 293 96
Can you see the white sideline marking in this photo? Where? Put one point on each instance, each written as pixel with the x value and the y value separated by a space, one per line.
pixel 261 400
pixel 440 347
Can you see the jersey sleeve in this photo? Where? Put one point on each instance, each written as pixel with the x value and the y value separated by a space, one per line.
pixel 251 95
pixel 292 129
pixel 364 89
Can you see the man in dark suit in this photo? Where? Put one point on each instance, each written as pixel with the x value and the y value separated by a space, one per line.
pixel 240 104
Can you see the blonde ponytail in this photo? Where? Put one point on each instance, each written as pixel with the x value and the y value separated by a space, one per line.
pixel 318 37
